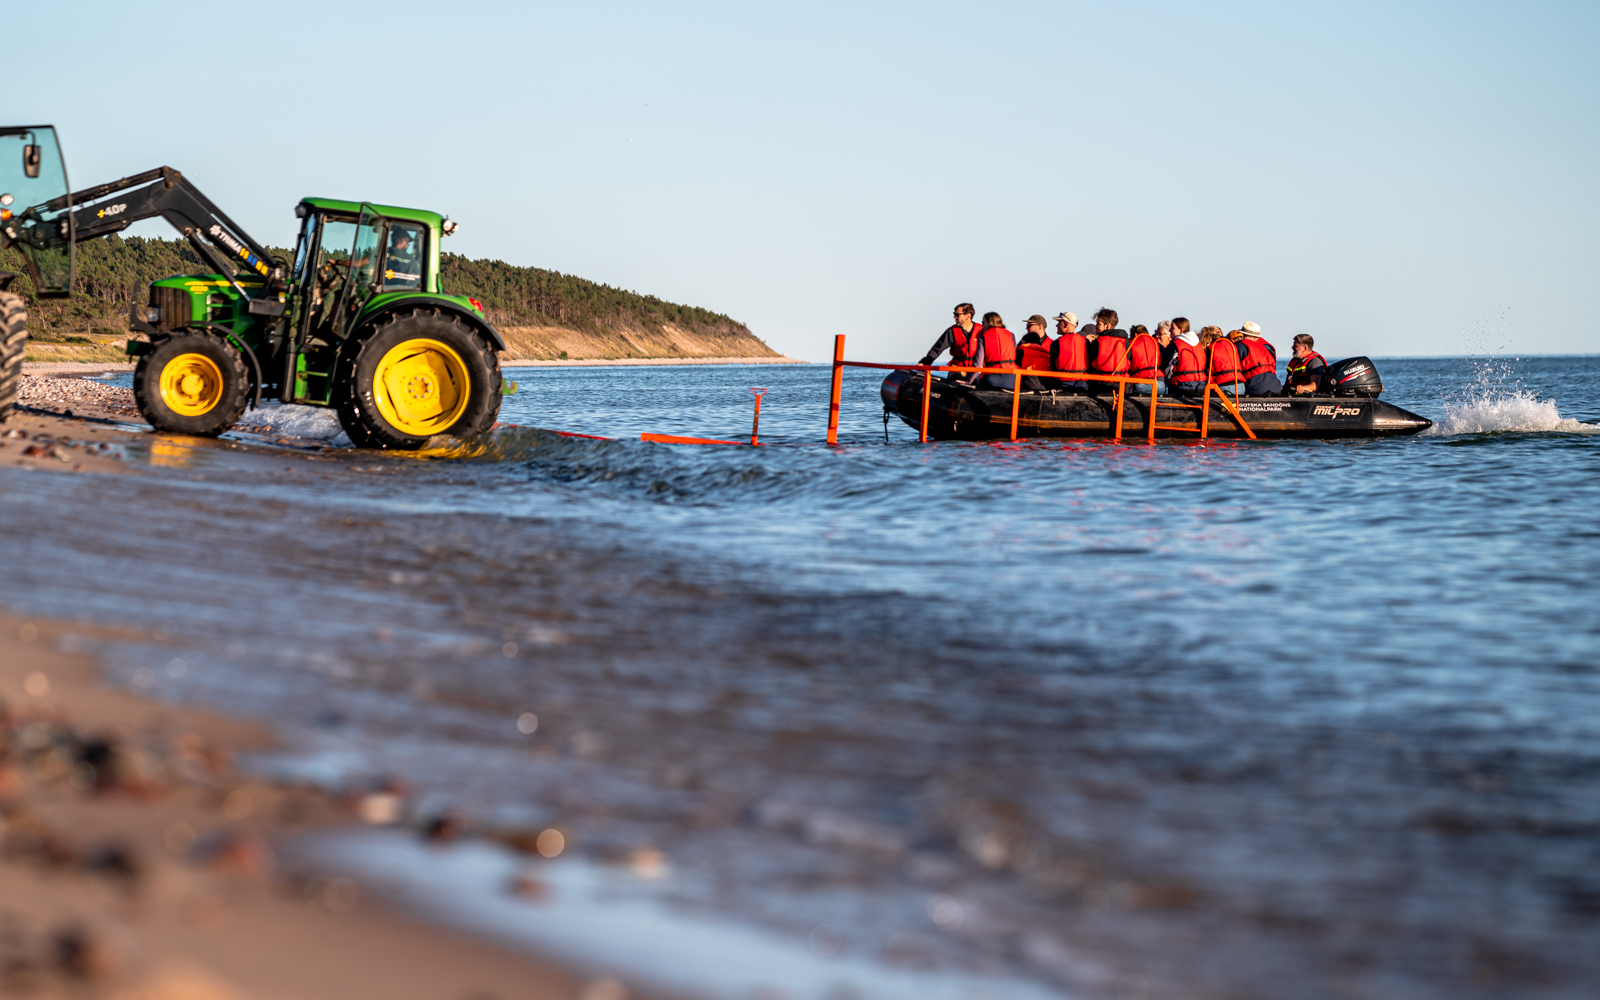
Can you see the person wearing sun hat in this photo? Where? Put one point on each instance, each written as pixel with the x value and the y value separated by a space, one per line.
pixel 1258 360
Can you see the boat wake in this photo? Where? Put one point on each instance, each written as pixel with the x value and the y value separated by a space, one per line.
pixel 1515 413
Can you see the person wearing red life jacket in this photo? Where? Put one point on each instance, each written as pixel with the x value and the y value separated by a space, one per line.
pixel 1144 356
pixel 1185 370
pixel 1258 362
pixel 1307 367
pixel 1033 351
pixel 1222 359
pixel 997 348
pixel 1069 353
pixel 961 340
pixel 1110 353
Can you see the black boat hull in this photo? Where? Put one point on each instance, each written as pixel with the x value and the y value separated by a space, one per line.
pixel 961 413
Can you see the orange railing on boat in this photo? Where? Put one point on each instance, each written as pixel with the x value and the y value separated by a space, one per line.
pixel 1121 382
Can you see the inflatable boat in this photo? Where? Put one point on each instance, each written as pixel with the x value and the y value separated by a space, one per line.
pixel 959 412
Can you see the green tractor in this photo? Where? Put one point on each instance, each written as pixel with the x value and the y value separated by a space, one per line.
pixel 356 322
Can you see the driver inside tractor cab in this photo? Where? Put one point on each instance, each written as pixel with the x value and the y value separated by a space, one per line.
pixel 402 268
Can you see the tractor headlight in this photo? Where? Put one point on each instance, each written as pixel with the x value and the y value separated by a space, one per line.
pixel 448 226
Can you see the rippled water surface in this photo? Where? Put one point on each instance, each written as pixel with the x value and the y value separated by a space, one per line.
pixel 1291 719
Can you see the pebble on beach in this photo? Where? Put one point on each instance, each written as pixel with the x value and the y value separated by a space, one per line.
pixel 75 395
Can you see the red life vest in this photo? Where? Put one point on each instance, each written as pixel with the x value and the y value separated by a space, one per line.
pixel 1070 354
pixel 964 344
pixel 1110 355
pixel 999 348
pixel 1188 364
pixel 1035 356
pixel 1260 358
pixel 1299 369
pixel 1225 363
pixel 1144 357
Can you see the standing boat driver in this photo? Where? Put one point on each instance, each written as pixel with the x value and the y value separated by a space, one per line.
pixel 1258 361
pixel 961 339
pixel 1069 354
pixel 1306 368
pixel 401 268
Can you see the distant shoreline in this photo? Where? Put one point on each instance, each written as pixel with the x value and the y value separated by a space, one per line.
pixel 588 362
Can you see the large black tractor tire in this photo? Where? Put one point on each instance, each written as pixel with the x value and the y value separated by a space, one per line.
pixel 413 375
pixel 13 341
pixel 191 383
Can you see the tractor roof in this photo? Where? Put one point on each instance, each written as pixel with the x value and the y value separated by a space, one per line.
pixel 432 219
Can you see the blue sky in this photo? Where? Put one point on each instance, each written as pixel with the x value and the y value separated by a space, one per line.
pixel 1394 178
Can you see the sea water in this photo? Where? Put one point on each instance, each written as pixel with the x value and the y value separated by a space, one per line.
pixel 1275 719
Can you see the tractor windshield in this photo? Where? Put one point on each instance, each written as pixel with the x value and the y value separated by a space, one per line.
pixel 362 265
pixel 34 210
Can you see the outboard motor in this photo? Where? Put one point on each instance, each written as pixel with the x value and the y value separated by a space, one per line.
pixel 1353 377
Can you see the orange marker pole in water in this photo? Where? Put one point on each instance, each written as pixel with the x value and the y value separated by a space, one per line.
pixel 838 388
pixel 927 391
pixel 1016 401
pixel 755 424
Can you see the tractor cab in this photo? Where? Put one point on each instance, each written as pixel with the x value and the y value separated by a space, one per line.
pixel 35 207
pixel 353 256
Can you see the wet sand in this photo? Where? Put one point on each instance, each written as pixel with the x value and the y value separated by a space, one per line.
pixel 138 862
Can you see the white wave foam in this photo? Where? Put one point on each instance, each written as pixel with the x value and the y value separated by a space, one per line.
pixel 312 422
pixel 1516 413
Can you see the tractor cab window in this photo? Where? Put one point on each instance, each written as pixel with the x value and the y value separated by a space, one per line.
pixel 364 253
pixel 33 210
pixel 402 267
pixel 333 250
pixel 302 249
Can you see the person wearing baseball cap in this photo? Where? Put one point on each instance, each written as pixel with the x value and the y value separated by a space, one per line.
pixel 1069 353
pixel 1258 361
pixel 1033 351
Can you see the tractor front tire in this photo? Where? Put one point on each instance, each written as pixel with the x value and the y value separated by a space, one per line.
pixel 13 341
pixel 414 375
pixel 191 383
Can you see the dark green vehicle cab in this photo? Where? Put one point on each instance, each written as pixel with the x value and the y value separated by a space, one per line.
pixel 357 322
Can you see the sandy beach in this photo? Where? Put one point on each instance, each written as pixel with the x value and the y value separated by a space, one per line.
pixel 137 862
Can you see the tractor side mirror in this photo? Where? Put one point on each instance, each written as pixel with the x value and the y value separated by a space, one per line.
pixel 31 159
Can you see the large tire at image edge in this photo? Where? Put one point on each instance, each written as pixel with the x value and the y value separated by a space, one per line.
pixel 191 383
pixel 414 375
pixel 13 342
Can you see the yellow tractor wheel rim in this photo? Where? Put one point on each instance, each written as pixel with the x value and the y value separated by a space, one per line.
pixel 421 387
pixel 191 385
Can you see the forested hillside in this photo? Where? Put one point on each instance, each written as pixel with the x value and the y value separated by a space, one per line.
pixel 542 314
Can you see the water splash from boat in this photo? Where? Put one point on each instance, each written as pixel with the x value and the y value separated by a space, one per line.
pixel 1518 413
pixel 1494 401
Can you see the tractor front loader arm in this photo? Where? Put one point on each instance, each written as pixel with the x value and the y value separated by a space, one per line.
pixel 113 207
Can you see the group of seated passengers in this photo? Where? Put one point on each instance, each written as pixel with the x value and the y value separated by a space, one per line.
pixel 1185 361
